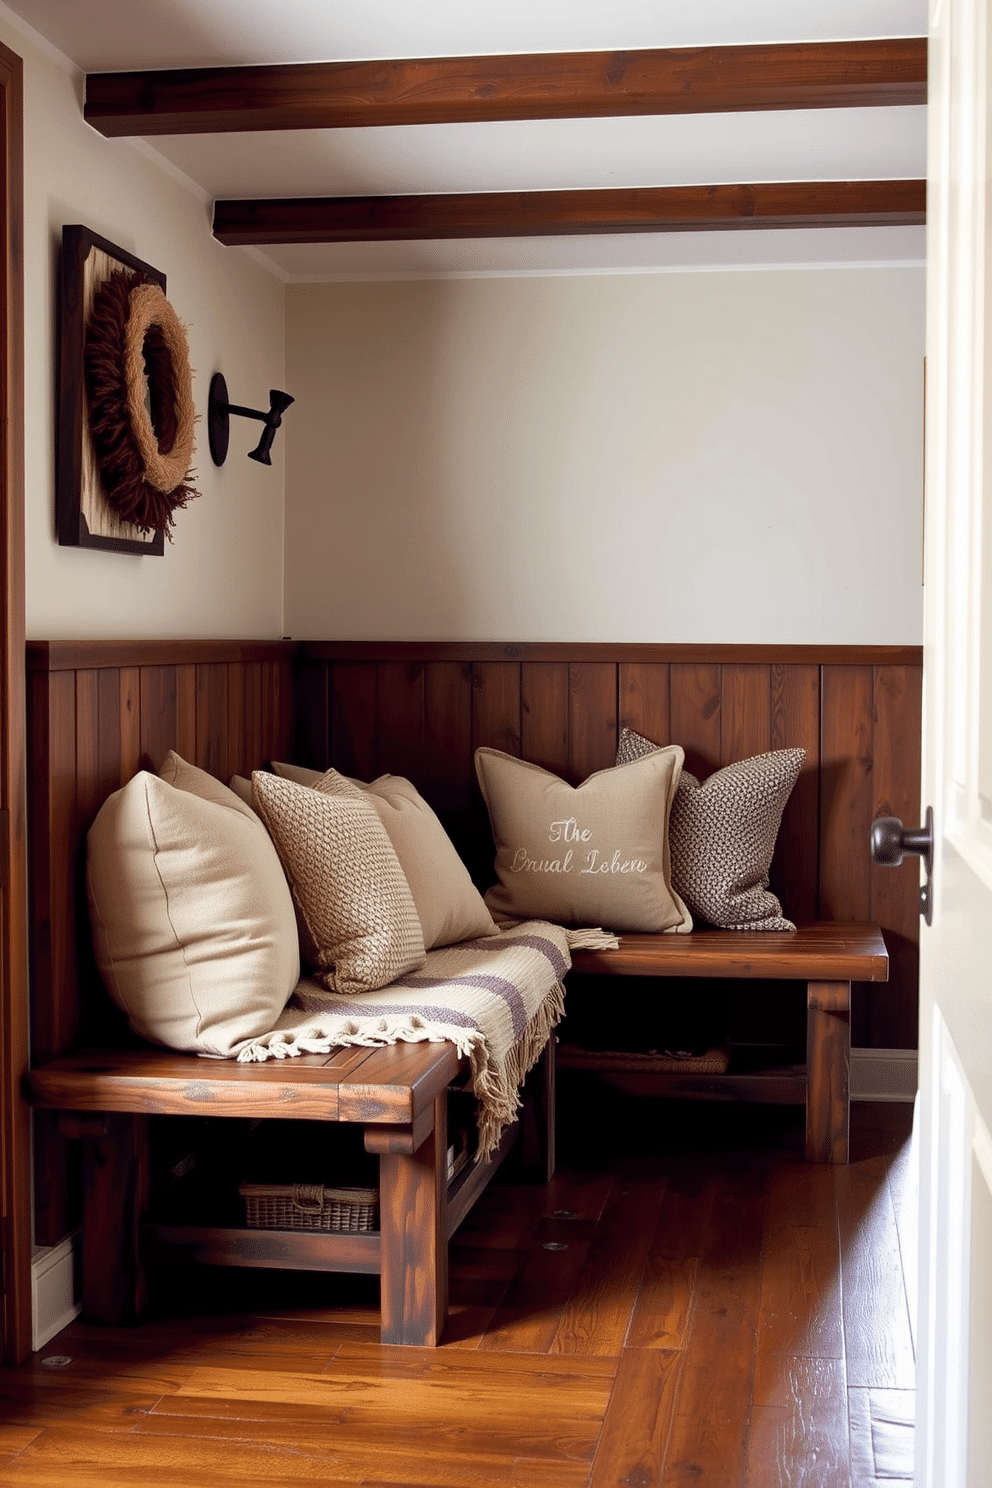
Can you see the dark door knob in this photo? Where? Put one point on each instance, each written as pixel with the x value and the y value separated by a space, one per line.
pixel 891 841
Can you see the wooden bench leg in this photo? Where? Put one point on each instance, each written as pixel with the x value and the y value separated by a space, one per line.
pixel 414 1236
pixel 538 1118
pixel 115 1195
pixel 828 1071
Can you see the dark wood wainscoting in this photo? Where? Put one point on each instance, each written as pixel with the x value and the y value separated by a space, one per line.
pixel 97 712
pixel 421 710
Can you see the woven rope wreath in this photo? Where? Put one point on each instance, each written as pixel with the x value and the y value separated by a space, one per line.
pixel 140 389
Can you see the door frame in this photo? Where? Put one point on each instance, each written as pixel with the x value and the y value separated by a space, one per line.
pixel 15 1126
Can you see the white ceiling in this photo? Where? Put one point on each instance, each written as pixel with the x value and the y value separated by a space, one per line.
pixel 840 144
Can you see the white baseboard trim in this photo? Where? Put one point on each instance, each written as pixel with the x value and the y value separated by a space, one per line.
pixel 883 1074
pixel 54 1289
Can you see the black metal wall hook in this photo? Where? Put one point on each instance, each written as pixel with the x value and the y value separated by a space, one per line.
pixel 219 412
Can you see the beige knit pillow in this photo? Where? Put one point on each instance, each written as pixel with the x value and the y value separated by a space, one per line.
pixel 193 923
pixel 358 922
pixel 593 854
pixel 723 835
pixel 449 905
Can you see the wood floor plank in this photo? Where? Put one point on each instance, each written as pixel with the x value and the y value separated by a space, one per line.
pixel 449 1366
pixel 709 1430
pixel 862 1454
pixel 878 1342
pixel 799 1428
pixel 892 1432
pixel 661 1311
pixel 598 1313
pixel 528 1319
pixel 801 1308
pixel 73 1456
pixel 454 1435
pixel 512 1399
pixel 14 1438
pixel 638 1419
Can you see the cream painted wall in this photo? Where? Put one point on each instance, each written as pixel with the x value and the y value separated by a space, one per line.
pixel 674 457
pixel 223 573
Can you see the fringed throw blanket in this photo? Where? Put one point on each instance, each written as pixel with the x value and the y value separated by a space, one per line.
pixel 496 999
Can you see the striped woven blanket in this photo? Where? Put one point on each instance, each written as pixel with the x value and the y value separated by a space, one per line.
pixel 496 999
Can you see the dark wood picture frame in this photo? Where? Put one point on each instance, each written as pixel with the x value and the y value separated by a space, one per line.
pixel 83 516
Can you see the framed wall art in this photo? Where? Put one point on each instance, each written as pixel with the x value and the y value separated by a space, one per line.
pixel 125 418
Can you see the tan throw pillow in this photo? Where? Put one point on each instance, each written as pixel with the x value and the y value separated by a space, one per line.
pixel 450 907
pixel 593 854
pixel 723 835
pixel 358 922
pixel 193 922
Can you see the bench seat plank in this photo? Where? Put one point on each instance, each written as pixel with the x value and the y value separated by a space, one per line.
pixel 824 952
pixel 388 1085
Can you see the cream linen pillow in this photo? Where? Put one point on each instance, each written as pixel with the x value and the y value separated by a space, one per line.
pixel 723 835
pixel 450 907
pixel 193 922
pixel 593 854
pixel 358 923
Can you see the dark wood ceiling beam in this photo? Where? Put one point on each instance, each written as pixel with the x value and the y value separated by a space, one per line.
pixel 557 85
pixel 364 219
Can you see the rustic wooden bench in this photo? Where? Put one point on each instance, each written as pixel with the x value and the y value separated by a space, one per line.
pixel 397 1094
pixel 827 956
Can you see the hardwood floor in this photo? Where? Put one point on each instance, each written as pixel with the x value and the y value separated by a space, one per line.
pixel 690 1303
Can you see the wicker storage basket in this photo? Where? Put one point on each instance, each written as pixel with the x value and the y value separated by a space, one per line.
pixel 310 1206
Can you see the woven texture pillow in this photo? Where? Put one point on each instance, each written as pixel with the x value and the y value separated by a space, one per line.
pixel 449 906
pixel 593 854
pixel 358 923
pixel 723 834
pixel 193 923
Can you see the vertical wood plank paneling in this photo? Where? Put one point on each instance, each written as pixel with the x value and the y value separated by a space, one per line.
pixel 52 785
pixel 795 724
pixel 695 715
pixel 312 745
pixel 448 773
pixel 186 712
pixel 254 724
pixel 893 1009
pixel 544 709
pixel 401 719
pixel 87 752
pixel 127 725
pixel 645 704
pixel 237 762
pixel 110 707
pixel 53 865
pixel 285 708
pixel 276 714
pixel 353 713
pixel 212 719
pixel 746 712
pixel 496 706
pixel 158 723
pixel 592 717
pixel 846 762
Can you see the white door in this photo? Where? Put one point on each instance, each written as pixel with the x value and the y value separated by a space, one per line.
pixel 954 1343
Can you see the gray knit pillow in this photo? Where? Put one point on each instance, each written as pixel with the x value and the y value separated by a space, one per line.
pixel 722 836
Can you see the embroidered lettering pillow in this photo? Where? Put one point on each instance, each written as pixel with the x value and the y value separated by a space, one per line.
pixel 723 835
pixel 592 854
